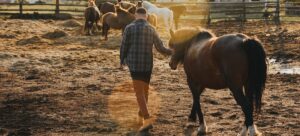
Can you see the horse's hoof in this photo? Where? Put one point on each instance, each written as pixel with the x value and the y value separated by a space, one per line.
pixel 253 131
pixel 202 130
pixel 244 132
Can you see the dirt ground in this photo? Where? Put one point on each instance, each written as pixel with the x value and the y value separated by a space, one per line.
pixel 56 81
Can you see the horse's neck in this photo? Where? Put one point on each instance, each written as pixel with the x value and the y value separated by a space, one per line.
pixel 195 42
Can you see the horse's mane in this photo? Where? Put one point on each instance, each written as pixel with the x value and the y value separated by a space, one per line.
pixel 119 9
pixel 186 34
pixel 182 39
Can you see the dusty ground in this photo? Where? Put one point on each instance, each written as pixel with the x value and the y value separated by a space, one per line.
pixel 56 81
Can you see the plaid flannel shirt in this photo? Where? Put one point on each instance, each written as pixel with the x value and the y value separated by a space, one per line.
pixel 138 40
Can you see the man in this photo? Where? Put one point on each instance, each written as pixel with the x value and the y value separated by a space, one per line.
pixel 138 40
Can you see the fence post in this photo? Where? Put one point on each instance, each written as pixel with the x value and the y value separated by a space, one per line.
pixel 57 7
pixel 21 7
pixel 208 16
pixel 277 19
pixel 243 17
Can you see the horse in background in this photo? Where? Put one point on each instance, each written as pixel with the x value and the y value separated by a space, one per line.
pixel 233 61
pixel 164 15
pixel 178 10
pixel 118 20
pixel 139 4
pixel 152 18
pixel 125 4
pixel 92 16
pixel 107 7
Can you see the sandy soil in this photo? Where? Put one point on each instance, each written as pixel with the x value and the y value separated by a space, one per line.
pixel 56 81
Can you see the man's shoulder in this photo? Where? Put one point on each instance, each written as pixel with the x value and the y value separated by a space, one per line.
pixel 132 24
pixel 151 27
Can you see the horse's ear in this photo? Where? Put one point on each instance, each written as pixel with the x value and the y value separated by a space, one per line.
pixel 172 32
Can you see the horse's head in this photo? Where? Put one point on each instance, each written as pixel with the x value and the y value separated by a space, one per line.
pixel 182 39
pixel 139 4
pixel 119 9
pixel 132 10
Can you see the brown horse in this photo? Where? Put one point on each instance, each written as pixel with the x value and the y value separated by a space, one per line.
pixel 233 61
pixel 178 10
pixel 106 7
pixel 92 16
pixel 125 4
pixel 118 20
pixel 152 18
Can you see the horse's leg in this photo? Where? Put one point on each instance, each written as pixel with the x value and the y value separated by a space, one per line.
pixel 91 27
pixel 103 29
pixel 196 108
pixel 166 22
pixel 98 26
pixel 106 33
pixel 249 94
pixel 192 116
pixel 85 26
pixel 242 100
pixel 176 23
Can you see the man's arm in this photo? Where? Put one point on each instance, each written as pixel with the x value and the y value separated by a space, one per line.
pixel 159 45
pixel 124 45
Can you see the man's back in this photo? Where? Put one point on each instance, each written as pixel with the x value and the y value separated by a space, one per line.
pixel 139 37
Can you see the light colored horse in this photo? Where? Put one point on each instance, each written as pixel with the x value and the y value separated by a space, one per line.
pixel 164 15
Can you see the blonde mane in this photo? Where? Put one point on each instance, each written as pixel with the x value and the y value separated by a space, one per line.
pixel 185 34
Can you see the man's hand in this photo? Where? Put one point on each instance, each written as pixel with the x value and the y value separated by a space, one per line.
pixel 169 52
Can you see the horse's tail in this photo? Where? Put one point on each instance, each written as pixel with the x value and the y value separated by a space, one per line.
pixel 257 71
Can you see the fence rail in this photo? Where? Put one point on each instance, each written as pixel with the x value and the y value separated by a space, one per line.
pixel 196 10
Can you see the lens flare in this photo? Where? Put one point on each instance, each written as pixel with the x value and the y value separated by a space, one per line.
pixel 123 107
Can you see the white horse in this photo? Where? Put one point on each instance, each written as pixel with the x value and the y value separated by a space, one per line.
pixel 163 14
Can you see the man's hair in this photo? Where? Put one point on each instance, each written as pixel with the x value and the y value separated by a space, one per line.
pixel 141 10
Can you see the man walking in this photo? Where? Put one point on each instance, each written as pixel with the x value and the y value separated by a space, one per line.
pixel 138 40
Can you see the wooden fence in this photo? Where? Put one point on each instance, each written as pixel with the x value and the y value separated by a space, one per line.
pixel 42 8
pixel 205 11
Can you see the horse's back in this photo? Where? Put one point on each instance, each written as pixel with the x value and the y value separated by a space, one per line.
pixel 212 63
pixel 109 18
pixel 107 7
pixel 230 56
